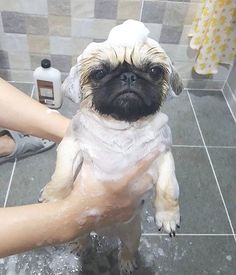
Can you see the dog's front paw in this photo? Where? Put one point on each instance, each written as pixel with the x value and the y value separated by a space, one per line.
pixel 168 220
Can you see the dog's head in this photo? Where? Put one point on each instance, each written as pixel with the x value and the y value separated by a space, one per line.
pixel 125 77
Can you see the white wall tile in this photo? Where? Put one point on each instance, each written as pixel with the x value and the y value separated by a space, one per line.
pixel 155 30
pixel 12 42
pixel 232 79
pixel 19 60
pixel 82 9
pixel 60 45
pixel 25 6
pixel 19 75
pixel 179 52
pixel 95 28
pixel 1 27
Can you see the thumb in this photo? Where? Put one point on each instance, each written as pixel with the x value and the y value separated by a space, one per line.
pixel 141 166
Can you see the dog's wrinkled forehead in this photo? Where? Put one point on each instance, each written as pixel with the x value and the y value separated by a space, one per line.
pixel 97 53
pixel 128 42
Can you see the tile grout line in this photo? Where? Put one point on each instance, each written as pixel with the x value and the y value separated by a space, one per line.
pixel 14 165
pixel 9 184
pixel 229 87
pixel 141 10
pixel 202 89
pixel 212 167
pixel 234 118
pixel 225 147
pixel 190 234
pixel 32 91
pixel 202 146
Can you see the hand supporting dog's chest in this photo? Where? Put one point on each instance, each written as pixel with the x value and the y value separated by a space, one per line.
pixel 115 147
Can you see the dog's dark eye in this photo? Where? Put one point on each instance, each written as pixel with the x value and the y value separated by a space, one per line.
pixel 156 72
pixel 98 74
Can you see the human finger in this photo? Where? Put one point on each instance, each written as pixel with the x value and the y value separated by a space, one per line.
pixel 140 167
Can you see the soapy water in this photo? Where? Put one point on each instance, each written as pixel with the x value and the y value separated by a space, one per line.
pixel 101 257
pixel 57 260
pixel 46 261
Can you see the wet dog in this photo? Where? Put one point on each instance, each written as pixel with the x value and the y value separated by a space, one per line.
pixel 123 83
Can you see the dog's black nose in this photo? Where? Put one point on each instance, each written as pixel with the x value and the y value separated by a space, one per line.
pixel 128 78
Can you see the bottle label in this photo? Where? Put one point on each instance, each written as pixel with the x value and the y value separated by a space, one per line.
pixel 45 92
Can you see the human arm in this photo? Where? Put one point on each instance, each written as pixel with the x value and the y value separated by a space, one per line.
pixel 21 113
pixel 30 226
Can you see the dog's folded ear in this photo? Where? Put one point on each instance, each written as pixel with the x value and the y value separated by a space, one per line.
pixel 175 82
pixel 71 86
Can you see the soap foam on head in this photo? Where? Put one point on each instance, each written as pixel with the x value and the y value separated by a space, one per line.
pixel 128 34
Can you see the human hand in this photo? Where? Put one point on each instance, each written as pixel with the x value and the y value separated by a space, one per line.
pixel 106 202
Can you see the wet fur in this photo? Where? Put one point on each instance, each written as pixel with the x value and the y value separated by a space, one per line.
pixel 116 60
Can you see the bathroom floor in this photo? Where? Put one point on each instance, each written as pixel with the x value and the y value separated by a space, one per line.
pixel 204 148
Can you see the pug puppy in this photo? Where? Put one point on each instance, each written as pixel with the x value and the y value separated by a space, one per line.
pixel 123 83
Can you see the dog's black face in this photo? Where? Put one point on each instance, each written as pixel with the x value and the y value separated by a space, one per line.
pixel 126 83
pixel 126 92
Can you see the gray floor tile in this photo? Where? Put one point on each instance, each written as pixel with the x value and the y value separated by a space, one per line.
pixel 181 120
pixel 157 255
pixel 5 174
pixel 201 207
pixel 187 255
pixel 24 87
pixel 216 121
pixel 30 176
pixel 224 162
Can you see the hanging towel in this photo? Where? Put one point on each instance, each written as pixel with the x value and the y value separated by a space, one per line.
pixel 213 34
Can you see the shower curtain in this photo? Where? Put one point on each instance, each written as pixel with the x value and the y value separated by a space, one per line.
pixel 213 34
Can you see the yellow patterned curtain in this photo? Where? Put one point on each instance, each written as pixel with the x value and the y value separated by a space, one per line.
pixel 213 34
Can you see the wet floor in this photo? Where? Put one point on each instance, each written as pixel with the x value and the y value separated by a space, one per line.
pixel 204 148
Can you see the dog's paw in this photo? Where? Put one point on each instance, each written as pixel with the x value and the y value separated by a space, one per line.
pixel 168 221
pixel 127 266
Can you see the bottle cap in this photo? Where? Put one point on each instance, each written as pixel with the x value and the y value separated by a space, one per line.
pixel 45 63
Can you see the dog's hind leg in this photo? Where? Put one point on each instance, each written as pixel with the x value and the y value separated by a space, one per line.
pixel 68 159
pixel 167 194
pixel 129 234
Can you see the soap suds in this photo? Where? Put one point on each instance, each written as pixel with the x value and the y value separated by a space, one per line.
pixel 128 34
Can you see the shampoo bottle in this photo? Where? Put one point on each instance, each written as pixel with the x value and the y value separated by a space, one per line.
pixel 48 85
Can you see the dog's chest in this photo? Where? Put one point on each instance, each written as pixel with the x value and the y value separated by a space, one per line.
pixel 115 146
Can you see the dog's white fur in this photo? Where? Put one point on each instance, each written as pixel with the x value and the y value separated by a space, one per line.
pixel 113 147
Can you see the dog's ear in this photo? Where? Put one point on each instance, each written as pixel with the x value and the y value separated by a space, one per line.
pixel 175 82
pixel 71 86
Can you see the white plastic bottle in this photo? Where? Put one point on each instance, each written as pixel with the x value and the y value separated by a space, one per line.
pixel 48 85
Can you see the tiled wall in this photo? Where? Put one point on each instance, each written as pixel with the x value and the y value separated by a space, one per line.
pixel 232 80
pixel 60 29
pixel 230 90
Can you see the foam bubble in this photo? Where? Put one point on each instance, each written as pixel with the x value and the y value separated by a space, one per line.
pixel 128 34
